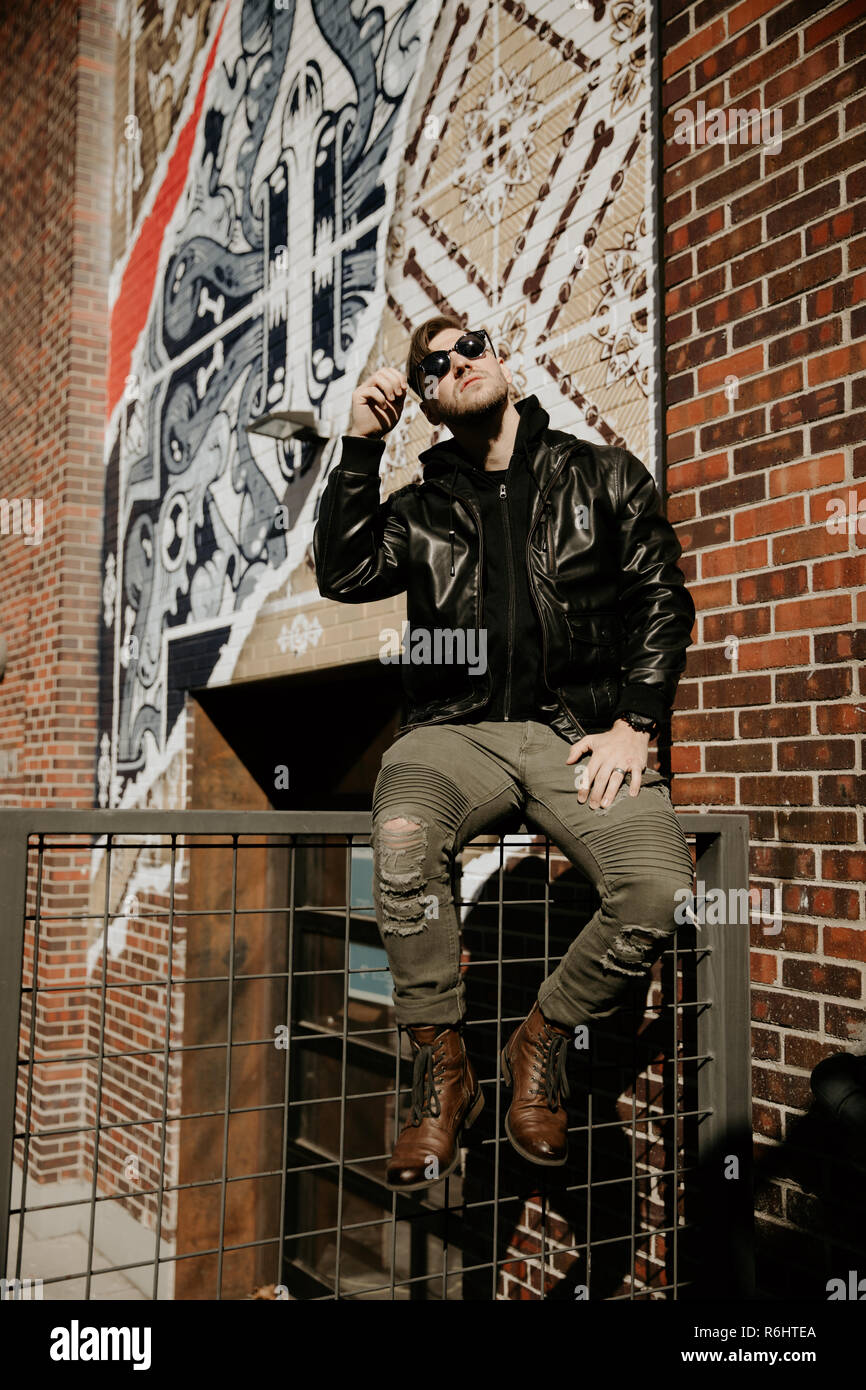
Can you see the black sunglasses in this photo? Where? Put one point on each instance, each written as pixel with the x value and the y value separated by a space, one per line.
pixel 438 364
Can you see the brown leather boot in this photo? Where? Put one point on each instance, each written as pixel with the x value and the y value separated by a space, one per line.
pixel 446 1099
pixel 533 1062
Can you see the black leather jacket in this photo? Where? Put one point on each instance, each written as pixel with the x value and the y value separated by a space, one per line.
pixel 615 615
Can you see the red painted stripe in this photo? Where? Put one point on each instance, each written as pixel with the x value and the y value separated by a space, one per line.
pixel 129 315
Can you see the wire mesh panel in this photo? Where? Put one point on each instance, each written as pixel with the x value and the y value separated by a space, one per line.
pixel 209 1079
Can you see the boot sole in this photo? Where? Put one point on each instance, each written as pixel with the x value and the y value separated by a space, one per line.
pixel 524 1153
pixel 467 1122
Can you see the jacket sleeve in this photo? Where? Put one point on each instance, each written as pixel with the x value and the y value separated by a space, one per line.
pixel 656 607
pixel 360 545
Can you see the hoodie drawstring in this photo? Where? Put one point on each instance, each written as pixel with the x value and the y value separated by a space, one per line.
pixel 451 514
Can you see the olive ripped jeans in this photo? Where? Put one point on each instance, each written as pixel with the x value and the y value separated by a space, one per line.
pixel 442 785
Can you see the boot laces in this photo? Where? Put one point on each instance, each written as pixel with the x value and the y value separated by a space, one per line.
pixel 551 1052
pixel 425 1098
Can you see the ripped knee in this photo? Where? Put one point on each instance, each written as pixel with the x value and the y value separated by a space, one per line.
pixel 634 950
pixel 401 848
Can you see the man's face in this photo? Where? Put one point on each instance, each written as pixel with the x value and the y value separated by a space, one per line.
pixel 472 390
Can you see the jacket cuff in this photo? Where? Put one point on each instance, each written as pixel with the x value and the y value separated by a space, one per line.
pixel 643 699
pixel 361 455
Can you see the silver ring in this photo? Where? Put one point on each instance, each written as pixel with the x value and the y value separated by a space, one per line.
pixel 621 769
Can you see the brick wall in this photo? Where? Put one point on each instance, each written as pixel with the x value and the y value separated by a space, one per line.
pixel 765 282
pixel 54 191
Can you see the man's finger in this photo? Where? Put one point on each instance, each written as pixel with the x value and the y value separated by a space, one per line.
pixel 592 769
pixel 376 394
pixel 614 783
pixel 385 385
pixel 392 379
pixel 608 779
pixel 578 749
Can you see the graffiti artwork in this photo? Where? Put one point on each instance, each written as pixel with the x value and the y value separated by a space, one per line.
pixel 266 264
pixel 298 184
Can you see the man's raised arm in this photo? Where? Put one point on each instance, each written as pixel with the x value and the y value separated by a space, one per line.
pixel 360 544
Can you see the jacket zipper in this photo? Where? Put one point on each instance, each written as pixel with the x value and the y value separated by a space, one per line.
pixel 470 507
pixel 503 496
pixel 566 711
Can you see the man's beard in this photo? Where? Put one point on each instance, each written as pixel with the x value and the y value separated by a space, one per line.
pixel 485 400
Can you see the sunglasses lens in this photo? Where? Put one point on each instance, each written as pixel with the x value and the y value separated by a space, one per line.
pixel 471 345
pixel 435 364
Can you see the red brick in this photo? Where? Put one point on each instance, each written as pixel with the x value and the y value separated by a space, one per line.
pixel 741 623
pixel 808 613
pixel 735 364
pixel 810 473
pixel 822 979
pixel 846 943
pixel 844 1021
pixel 844 361
pixel 737 690
pixel 843 864
pixel 766 194
pixel 830 24
pixel 787 1011
pixel 765 324
pixel 763 968
pixel 686 52
pixel 841 155
pixel 805 275
pixel 727 310
pixel 781 515
pixel 771 60
pixel 734 559
pixel 757 264
pixel 767 1120
pixel 805 341
pixel 698 471
pixel 820 827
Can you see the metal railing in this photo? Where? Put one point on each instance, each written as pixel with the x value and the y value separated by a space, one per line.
pixel 201 1077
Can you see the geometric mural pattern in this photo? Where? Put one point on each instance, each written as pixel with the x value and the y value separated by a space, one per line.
pixel 297 184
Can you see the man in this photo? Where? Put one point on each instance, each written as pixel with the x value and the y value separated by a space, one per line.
pixel 553 552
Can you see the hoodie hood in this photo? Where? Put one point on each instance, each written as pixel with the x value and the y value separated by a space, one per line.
pixel 446 460
pixel 440 459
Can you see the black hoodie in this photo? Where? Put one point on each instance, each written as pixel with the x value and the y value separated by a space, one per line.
pixel 504 499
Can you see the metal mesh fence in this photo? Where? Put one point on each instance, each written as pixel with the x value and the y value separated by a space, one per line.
pixel 209 1078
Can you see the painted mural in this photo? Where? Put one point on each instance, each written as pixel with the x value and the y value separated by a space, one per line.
pixel 260 271
pixel 298 183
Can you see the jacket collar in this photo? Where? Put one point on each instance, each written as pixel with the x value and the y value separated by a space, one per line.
pixel 440 459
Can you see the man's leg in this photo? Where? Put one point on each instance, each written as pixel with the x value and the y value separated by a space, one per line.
pixel 438 787
pixel 637 856
pixel 635 853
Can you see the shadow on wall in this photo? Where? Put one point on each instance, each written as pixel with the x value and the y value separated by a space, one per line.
pixel 816 1180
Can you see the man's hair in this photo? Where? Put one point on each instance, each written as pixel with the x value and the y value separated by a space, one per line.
pixel 419 345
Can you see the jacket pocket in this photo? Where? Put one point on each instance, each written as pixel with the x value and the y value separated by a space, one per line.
pixel 594 641
pixel 594 649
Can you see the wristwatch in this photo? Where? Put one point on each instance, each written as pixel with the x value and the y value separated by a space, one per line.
pixel 644 723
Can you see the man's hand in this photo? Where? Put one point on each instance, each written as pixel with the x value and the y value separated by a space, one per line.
pixel 620 747
pixel 378 403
